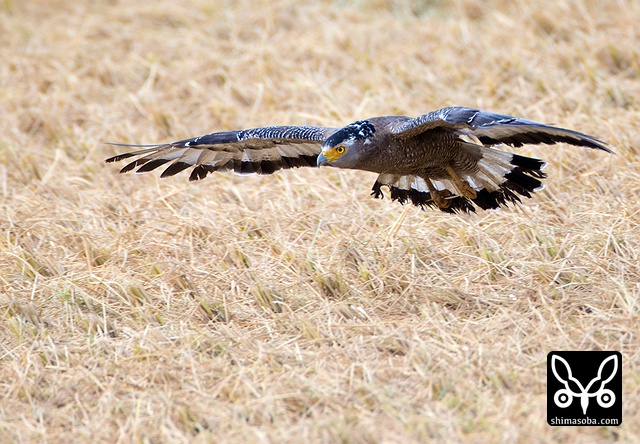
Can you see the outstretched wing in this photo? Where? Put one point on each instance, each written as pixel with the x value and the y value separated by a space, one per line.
pixel 249 151
pixel 493 129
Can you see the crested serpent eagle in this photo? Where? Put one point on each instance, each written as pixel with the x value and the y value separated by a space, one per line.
pixel 444 159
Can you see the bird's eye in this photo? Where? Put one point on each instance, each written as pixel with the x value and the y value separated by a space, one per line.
pixel 340 149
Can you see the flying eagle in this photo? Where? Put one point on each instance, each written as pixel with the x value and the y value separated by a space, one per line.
pixel 443 159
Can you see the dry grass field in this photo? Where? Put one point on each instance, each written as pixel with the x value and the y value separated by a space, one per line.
pixel 294 307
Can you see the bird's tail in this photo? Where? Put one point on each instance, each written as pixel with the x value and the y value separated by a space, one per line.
pixel 501 177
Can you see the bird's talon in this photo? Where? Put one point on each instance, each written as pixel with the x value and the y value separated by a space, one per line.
pixel 462 185
pixel 467 191
pixel 441 198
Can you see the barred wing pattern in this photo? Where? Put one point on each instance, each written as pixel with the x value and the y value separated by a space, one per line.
pixel 493 129
pixel 250 151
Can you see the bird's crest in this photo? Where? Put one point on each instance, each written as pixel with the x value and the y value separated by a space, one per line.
pixel 360 130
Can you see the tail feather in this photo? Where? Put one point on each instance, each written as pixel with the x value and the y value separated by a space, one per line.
pixel 529 165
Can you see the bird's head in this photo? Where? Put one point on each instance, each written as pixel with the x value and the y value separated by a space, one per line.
pixel 345 147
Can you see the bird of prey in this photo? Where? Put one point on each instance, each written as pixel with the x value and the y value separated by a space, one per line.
pixel 443 159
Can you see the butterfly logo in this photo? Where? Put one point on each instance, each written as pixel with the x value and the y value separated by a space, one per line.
pixel 574 388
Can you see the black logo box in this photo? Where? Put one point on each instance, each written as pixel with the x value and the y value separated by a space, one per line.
pixel 584 388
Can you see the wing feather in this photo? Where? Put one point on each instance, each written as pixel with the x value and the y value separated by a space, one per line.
pixel 249 151
pixel 493 129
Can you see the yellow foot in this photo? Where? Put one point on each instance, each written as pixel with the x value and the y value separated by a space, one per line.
pixel 462 185
pixel 439 196
pixel 439 199
pixel 467 191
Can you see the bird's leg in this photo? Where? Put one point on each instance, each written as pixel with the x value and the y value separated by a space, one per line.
pixel 439 197
pixel 462 185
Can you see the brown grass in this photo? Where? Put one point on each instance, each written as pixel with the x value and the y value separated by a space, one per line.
pixel 295 307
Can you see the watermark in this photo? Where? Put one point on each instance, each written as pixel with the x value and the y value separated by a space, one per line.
pixel 584 388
